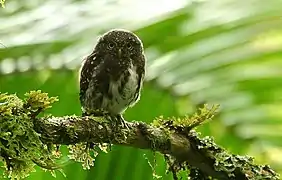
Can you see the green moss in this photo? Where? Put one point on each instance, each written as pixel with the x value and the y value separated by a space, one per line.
pixel 20 146
pixel 21 169
pixel 182 125
pixel 234 165
pixel 37 102
pixel 229 164
pixel 187 123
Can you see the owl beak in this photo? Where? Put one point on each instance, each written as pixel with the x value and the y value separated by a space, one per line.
pixel 119 53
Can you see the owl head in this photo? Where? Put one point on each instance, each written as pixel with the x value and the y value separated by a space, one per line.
pixel 119 43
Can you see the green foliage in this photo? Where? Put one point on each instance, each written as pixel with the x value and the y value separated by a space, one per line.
pixel 224 52
pixel 2 2
pixel 20 146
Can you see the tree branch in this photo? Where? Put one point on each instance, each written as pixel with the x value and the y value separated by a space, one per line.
pixel 182 147
pixel 201 154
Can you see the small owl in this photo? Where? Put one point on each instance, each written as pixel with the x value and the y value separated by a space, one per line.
pixel 111 77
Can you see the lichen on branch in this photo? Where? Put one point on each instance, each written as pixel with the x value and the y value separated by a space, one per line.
pixel 20 145
pixel 27 140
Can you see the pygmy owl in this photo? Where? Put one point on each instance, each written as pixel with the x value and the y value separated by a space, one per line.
pixel 111 77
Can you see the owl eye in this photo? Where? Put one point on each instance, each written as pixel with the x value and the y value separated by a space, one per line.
pixel 129 46
pixel 111 45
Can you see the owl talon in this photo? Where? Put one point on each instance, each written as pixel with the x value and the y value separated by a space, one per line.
pixel 122 121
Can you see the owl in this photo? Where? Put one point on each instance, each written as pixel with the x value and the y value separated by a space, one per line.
pixel 111 77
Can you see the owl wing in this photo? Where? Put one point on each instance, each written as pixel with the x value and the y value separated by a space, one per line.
pixel 93 78
pixel 86 72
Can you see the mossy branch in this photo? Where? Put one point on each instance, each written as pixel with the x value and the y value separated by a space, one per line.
pixel 26 140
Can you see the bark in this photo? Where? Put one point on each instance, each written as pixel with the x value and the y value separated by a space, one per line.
pixel 203 156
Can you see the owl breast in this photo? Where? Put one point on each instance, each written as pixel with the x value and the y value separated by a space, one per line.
pixel 123 92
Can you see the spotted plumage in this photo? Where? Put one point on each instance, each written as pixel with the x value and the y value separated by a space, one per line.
pixel 111 77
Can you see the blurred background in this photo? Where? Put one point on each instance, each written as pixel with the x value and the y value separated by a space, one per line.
pixel 217 51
